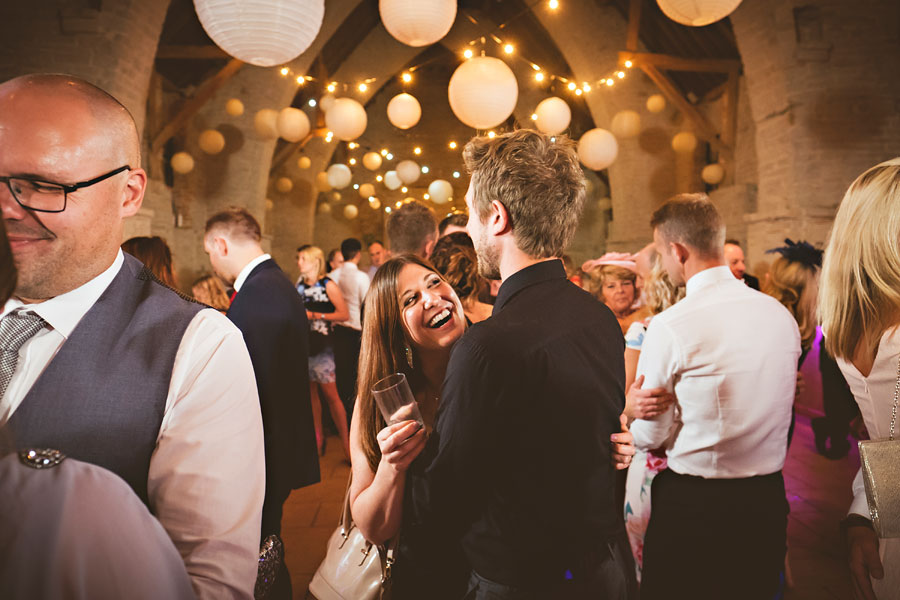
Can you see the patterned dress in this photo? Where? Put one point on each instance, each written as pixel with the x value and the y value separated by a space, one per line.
pixel 321 356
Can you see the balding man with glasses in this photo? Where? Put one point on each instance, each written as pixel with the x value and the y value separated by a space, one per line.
pixel 101 361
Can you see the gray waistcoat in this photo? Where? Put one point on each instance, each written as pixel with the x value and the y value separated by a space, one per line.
pixel 102 397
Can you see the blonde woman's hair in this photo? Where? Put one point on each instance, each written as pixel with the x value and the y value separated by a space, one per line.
pixel 794 284
pixel 859 295
pixel 659 292
pixel 595 277
pixel 313 253
pixel 210 291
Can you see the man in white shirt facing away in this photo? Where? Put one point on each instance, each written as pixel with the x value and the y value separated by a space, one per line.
pixel 348 334
pixel 116 369
pixel 729 353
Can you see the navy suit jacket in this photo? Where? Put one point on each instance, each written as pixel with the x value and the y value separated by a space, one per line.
pixel 270 314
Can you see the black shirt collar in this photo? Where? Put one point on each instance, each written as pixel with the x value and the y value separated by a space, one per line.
pixel 536 273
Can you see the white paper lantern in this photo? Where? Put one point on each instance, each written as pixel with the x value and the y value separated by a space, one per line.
pixel 234 107
pixel 371 160
pixel 322 182
pixel 326 102
pixel 339 176
pixel 262 32
pixel 269 204
pixel 182 162
pixel 656 103
pixel 366 190
pixel 211 141
pixel 350 211
pixel 324 208
pixel 440 191
pixel 408 171
pixel 713 174
pixel 597 149
pixel 483 92
pixel 417 22
pixel 304 162
pixel 284 185
pixel 553 115
pixel 404 111
pixel 626 124
pixel 392 180
pixel 265 122
pixel 684 142
pixel 375 203
pixel 346 118
pixel 697 13
pixel 293 124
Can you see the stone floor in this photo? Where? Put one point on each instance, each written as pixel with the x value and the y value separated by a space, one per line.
pixel 818 490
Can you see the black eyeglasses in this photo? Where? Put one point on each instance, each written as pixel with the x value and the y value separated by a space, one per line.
pixel 47 196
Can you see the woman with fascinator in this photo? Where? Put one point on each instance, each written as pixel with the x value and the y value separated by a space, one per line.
pixel 612 279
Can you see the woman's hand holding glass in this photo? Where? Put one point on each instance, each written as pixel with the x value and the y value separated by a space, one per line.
pixel 400 444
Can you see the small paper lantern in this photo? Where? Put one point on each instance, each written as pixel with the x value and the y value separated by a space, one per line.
pixel 375 203
pixel 182 162
pixel 483 92
pixel 404 111
pixel 234 107
pixel 408 171
pixel 303 162
pixel 292 124
pixel 326 102
pixel 211 141
pixel 324 208
pixel 626 124
pixel 697 13
pixel 350 211
pixel 284 185
pixel 656 103
pixel 684 142
pixel 336 196
pixel 713 174
pixel 417 22
pixel 371 160
pixel 339 176
pixel 269 204
pixel 322 182
pixel 597 149
pixel 265 122
pixel 553 115
pixel 262 32
pixel 392 180
pixel 346 118
pixel 366 190
pixel 440 191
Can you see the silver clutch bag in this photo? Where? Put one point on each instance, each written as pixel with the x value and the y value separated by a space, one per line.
pixel 880 460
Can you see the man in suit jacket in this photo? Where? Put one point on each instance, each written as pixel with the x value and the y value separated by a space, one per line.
pixel 271 316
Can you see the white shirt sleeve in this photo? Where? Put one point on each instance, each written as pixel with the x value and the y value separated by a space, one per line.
pixel 658 364
pixel 859 505
pixel 207 475
pixel 363 287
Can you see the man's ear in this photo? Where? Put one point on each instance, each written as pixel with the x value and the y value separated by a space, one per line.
pixel 498 220
pixel 133 196
pixel 680 252
pixel 221 245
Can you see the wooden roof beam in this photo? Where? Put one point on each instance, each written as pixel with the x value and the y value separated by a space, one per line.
pixel 677 63
pixel 634 25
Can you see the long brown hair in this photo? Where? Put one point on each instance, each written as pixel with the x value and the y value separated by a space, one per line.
pixel 383 348
pixel 155 254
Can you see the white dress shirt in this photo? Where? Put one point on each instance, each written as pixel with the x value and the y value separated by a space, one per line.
pixel 729 353
pixel 207 474
pixel 354 284
pixel 245 272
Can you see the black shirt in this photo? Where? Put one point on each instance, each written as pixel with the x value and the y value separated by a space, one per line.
pixel 518 467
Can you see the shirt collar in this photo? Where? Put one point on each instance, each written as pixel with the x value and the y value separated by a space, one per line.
pixel 708 277
pixel 350 265
pixel 248 268
pixel 530 275
pixel 64 312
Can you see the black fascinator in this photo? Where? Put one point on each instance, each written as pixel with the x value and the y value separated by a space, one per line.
pixel 802 252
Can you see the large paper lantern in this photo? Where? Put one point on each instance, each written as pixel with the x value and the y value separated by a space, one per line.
pixel 262 32
pixel 440 191
pixel 713 174
pixel 408 171
pixel 292 124
pixel 322 182
pixel 417 22
pixel 553 115
pixel 392 180
pixel 597 149
pixel 371 160
pixel 350 211
pixel 304 162
pixel 182 162
pixel 234 107
pixel 346 118
pixel 684 142
pixel 366 190
pixel 326 102
pixel 265 122
pixel 404 111
pixel 284 185
pixel 483 92
pixel 339 176
pixel 656 103
pixel 626 124
pixel 697 13
pixel 211 141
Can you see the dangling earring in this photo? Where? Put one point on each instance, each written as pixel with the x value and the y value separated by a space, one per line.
pixel 409 356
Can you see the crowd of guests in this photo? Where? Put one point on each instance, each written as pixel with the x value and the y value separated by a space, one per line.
pixel 149 439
